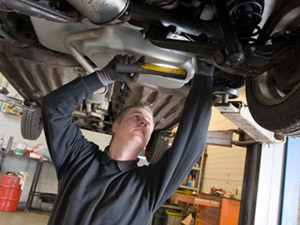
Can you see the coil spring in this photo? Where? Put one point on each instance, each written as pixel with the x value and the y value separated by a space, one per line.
pixel 246 15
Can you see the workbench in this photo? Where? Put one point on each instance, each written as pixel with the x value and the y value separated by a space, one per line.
pixel 213 210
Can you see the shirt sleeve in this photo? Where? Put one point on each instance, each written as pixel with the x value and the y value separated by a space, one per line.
pixel 164 177
pixel 64 138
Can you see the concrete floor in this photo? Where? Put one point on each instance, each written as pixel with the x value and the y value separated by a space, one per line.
pixel 23 218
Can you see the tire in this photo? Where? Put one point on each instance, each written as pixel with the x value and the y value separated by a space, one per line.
pixel 282 118
pixel 31 123
pixel 274 97
pixel 157 146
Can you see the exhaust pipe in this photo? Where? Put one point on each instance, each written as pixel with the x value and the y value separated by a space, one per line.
pixel 100 11
pixel 36 9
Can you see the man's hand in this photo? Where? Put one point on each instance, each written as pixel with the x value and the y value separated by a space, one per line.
pixel 110 71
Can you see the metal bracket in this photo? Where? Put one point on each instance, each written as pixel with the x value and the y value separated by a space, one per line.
pixel 227 138
pixel 240 115
pixel 220 138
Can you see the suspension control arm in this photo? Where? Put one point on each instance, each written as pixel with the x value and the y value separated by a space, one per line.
pixel 233 47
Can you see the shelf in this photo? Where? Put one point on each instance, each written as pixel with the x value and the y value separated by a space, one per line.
pixel 171 207
pixel 11 154
pixel 187 187
pixel 198 200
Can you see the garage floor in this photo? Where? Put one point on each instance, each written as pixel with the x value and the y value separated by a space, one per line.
pixel 23 218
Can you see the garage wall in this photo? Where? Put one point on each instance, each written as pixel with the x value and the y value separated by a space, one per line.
pixel 225 166
pixel 224 169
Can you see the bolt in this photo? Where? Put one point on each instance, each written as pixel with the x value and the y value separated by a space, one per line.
pixel 236 58
pixel 225 98
pixel 219 58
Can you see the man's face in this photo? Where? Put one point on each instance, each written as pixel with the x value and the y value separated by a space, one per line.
pixel 136 126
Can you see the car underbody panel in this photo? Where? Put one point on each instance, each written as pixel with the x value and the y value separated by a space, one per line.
pixel 101 44
pixel 35 72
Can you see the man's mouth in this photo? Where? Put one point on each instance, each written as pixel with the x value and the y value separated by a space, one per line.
pixel 139 131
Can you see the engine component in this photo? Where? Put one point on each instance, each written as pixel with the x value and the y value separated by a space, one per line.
pixel 246 15
pixel 152 69
pixel 36 9
pixel 155 15
pixel 101 11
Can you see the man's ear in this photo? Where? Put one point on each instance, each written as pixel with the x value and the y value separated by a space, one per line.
pixel 115 127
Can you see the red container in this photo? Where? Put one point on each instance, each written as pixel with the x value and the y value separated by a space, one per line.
pixel 10 192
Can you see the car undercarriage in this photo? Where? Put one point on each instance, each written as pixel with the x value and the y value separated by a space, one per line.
pixel 45 44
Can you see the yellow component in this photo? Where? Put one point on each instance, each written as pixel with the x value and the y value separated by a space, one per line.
pixel 188 192
pixel 164 69
pixel 179 191
pixel 173 213
pixel 184 191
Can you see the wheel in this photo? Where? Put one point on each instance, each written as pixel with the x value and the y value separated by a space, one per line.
pixel 157 146
pixel 31 123
pixel 274 96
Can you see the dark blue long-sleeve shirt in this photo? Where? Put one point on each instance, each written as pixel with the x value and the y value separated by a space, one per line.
pixel 97 190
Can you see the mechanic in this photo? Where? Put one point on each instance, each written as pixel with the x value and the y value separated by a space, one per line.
pixel 107 188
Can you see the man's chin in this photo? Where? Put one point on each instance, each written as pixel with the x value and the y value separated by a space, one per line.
pixel 138 139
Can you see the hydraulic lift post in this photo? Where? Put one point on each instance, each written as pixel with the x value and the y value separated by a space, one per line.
pixel 271 180
pixel 262 184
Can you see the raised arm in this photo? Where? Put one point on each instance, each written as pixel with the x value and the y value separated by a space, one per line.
pixel 64 138
pixel 164 177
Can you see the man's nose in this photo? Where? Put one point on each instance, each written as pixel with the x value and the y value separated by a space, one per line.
pixel 143 123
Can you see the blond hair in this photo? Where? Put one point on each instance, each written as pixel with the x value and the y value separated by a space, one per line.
pixel 121 114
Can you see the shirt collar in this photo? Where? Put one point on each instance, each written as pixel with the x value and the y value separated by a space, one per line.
pixel 124 166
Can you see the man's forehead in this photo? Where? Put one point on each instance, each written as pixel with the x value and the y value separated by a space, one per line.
pixel 140 110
